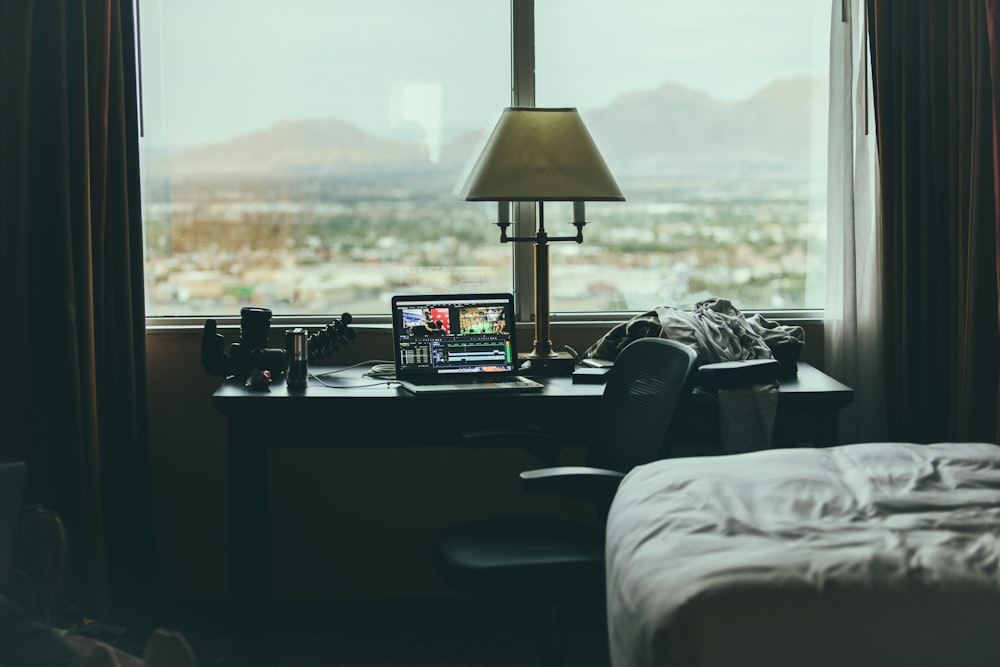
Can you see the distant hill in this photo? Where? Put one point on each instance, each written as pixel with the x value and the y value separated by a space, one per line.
pixel 314 146
pixel 675 124
pixel 637 132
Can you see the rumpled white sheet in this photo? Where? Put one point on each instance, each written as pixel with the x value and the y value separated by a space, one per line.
pixel 871 554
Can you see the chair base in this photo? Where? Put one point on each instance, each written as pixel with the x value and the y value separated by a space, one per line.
pixel 524 557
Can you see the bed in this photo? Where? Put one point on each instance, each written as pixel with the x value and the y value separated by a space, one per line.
pixel 869 554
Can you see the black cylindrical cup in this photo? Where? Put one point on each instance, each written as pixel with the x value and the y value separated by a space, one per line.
pixel 297 349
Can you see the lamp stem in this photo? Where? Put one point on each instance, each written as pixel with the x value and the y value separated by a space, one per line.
pixel 547 360
pixel 543 344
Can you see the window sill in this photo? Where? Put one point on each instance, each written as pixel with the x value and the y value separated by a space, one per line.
pixel 156 325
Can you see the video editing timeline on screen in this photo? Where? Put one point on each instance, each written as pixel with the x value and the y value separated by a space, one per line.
pixel 458 353
pixel 457 338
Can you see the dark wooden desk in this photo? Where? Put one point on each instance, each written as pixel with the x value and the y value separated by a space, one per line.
pixel 343 415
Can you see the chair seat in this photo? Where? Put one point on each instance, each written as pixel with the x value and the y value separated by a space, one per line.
pixel 522 556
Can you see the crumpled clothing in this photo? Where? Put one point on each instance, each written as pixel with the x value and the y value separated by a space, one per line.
pixel 746 418
pixel 717 331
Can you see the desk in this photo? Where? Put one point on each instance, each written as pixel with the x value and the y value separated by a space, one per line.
pixel 342 415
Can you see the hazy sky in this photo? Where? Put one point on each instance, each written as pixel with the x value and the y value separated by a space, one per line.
pixel 214 69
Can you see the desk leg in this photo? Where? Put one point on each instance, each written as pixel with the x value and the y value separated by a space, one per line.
pixel 814 427
pixel 829 423
pixel 249 562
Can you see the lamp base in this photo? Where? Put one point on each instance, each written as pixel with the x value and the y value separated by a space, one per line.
pixel 556 363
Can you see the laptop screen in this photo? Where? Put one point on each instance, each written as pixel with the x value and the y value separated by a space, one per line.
pixel 450 335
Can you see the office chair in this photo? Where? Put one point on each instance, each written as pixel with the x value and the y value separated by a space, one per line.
pixel 557 560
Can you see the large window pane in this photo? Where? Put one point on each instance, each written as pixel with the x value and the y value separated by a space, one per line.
pixel 712 116
pixel 302 155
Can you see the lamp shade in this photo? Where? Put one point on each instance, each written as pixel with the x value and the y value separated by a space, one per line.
pixel 540 155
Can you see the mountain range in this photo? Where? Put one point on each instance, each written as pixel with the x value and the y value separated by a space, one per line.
pixel 640 131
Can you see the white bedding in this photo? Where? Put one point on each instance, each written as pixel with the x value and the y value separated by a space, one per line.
pixel 872 554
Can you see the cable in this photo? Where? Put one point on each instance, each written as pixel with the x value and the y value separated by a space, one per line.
pixel 384 371
pixel 381 370
pixel 374 362
pixel 387 383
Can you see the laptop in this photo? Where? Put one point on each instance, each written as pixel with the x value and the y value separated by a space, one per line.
pixel 456 343
pixel 11 496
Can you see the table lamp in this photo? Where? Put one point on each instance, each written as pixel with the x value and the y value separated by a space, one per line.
pixel 541 155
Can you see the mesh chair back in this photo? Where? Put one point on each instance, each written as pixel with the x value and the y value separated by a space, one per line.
pixel 650 381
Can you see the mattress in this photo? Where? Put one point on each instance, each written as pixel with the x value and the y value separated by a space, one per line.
pixel 868 554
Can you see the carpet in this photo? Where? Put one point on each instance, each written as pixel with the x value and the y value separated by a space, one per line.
pixel 400 636
pixel 400 649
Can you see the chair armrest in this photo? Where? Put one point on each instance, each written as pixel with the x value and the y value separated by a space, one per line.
pixel 595 484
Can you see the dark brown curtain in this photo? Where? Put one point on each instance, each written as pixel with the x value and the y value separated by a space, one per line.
pixel 934 100
pixel 993 31
pixel 72 396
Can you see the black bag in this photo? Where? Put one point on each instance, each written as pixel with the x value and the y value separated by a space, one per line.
pixel 735 374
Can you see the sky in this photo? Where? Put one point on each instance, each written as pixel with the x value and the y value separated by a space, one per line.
pixel 215 69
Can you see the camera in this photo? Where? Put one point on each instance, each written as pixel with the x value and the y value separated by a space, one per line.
pixel 251 353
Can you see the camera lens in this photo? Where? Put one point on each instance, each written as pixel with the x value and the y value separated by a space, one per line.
pixel 255 325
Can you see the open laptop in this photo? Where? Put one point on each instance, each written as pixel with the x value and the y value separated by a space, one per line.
pixel 11 497
pixel 456 342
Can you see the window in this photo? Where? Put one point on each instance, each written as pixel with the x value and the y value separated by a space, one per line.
pixel 302 156
pixel 712 116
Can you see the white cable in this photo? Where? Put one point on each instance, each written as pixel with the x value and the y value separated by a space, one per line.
pixel 376 363
pixel 381 370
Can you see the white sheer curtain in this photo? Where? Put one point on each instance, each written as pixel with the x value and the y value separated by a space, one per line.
pixel 852 329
